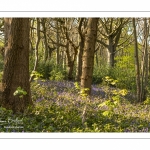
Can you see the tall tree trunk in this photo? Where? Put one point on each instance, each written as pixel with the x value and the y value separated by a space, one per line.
pixel 88 55
pixel 70 63
pixel 45 38
pixel 144 64
pixel 36 48
pixel 57 49
pixel 81 39
pixel 111 53
pixel 96 57
pixel 37 45
pixel 137 68
pixel 31 48
pixel 16 66
pixel 63 59
pixel 79 60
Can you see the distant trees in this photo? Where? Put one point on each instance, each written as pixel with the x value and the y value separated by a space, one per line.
pixel 16 65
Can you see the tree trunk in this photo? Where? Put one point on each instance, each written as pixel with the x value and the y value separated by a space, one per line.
pixel 57 49
pixel 45 38
pixel 96 57
pixel 31 48
pixel 88 55
pixel 36 48
pixel 138 84
pixel 7 22
pixel 70 70
pixel 79 60
pixel 70 63
pixel 37 45
pixel 16 66
pixel 64 59
pixel 111 53
pixel 144 64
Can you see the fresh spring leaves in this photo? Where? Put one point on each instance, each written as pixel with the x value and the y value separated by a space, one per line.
pixel 20 92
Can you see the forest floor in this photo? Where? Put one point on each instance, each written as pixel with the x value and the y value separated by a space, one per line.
pixel 60 107
pixel 108 109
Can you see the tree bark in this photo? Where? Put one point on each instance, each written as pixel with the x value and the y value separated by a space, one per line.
pixel 144 63
pixel 137 68
pixel 36 48
pixel 7 22
pixel 88 55
pixel 16 66
pixel 111 53
pixel 79 60
pixel 81 39
pixel 45 38
pixel 70 63
pixel 57 49
pixel 37 45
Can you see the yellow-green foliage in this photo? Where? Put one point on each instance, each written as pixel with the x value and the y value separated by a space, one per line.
pixel 109 80
pixel 36 75
pixel 20 92
pixel 56 75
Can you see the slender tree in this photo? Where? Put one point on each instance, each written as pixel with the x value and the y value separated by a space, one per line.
pixel 36 47
pixel 137 68
pixel 144 63
pixel 58 47
pixel 43 23
pixel 81 39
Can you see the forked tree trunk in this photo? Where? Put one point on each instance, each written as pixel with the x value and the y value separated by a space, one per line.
pixel 88 55
pixel 16 66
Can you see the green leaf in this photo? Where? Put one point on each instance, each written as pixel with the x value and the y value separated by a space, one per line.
pixel 106 113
